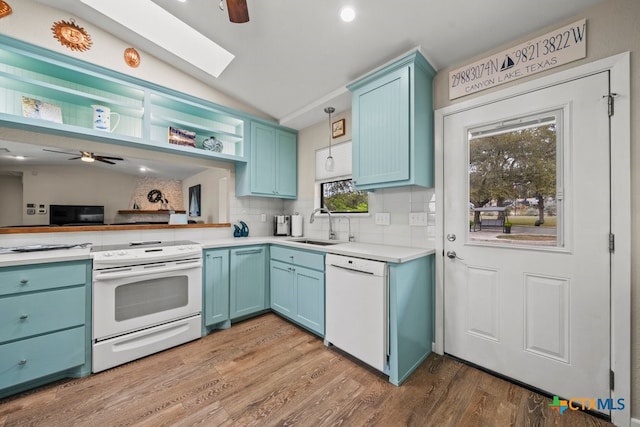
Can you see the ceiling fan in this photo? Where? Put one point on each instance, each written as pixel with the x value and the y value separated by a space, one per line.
pixel 87 156
pixel 238 11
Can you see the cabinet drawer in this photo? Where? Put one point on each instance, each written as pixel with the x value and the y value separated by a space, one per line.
pixel 312 260
pixel 42 276
pixel 33 358
pixel 36 313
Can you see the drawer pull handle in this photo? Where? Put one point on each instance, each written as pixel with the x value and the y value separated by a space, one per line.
pixel 24 282
pixel 24 316
pixel 22 362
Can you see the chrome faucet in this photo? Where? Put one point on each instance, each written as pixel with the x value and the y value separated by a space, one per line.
pixel 332 235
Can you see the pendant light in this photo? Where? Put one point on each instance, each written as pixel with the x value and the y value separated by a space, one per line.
pixel 329 164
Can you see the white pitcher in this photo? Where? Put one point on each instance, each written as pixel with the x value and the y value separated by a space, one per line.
pixel 102 118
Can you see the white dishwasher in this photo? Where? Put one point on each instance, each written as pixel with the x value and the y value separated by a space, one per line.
pixel 356 303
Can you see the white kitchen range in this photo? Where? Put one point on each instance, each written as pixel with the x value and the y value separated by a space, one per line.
pixel 147 297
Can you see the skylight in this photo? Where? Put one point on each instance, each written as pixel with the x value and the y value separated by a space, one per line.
pixel 155 24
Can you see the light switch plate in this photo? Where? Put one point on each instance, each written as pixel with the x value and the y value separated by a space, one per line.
pixel 382 218
pixel 263 217
pixel 418 218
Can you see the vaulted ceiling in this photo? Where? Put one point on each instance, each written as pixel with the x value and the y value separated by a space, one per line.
pixel 294 57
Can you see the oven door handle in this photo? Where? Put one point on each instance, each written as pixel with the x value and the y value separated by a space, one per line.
pixel 106 275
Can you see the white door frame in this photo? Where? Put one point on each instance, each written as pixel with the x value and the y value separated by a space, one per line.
pixel 619 67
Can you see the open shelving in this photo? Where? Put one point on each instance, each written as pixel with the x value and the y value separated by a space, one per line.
pixel 146 110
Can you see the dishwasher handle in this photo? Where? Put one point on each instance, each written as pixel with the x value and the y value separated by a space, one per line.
pixel 352 269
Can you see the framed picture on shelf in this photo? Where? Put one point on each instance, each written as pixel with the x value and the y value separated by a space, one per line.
pixel 337 128
pixel 194 200
pixel 182 137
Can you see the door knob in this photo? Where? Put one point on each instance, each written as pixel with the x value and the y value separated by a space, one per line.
pixel 453 255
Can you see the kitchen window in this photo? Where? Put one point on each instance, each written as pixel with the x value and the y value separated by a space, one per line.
pixel 341 197
pixel 334 188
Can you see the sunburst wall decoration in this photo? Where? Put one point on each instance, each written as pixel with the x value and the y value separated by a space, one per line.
pixel 71 35
pixel 5 9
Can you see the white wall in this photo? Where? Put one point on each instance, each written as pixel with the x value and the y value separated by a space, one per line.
pixel 398 202
pixel 11 199
pixel 211 196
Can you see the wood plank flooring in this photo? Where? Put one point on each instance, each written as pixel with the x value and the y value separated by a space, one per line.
pixel 268 372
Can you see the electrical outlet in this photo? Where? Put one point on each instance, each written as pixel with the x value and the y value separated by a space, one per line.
pixel 382 218
pixel 418 218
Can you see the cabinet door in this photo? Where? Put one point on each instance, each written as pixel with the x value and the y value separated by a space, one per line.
pixel 216 286
pixel 381 137
pixel 282 288
pixel 287 165
pixel 310 299
pixel 263 159
pixel 248 281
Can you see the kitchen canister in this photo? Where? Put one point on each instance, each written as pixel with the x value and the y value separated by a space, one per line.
pixel 296 225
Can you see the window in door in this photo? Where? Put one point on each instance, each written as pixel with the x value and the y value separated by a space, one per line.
pixel 515 177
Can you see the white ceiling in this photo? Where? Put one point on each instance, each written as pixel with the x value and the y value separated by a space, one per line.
pixel 295 57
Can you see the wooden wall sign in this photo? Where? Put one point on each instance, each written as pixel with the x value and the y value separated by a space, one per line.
pixel 551 50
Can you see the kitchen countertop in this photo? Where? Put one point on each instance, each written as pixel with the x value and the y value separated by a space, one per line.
pixel 385 253
pixel 57 255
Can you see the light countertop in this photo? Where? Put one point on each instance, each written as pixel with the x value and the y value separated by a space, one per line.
pixel 58 255
pixel 385 253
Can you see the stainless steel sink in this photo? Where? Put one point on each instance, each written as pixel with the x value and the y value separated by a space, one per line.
pixel 316 242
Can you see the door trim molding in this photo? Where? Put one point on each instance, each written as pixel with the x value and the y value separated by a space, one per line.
pixel 620 346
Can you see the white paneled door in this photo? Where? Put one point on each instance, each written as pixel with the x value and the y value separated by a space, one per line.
pixel 532 304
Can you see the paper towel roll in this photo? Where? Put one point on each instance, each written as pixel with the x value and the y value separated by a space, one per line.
pixel 296 225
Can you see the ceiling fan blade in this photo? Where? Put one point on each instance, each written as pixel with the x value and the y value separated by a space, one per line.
pixel 61 152
pixel 75 158
pixel 238 12
pixel 108 158
pixel 101 159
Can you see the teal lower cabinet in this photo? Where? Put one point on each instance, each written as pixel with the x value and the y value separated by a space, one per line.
pixel 248 284
pixel 411 316
pixel 45 313
pixel 297 286
pixel 215 288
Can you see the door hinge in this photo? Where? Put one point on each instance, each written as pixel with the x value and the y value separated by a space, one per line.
pixel 612 243
pixel 612 380
pixel 610 103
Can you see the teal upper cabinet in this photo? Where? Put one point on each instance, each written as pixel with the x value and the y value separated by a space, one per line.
pixel 272 170
pixel 393 125
pixel 47 92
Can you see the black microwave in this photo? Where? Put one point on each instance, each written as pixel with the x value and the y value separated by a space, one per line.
pixel 76 215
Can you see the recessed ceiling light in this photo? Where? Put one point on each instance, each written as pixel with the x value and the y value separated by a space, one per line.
pixel 155 24
pixel 347 14
pixel 142 168
pixel 19 157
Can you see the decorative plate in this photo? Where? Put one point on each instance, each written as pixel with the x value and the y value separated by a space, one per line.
pixel 71 35
pixel 5 9
pixel 131 57
pixel 212 144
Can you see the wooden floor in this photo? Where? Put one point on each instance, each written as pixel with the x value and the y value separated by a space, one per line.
pixel 268 372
